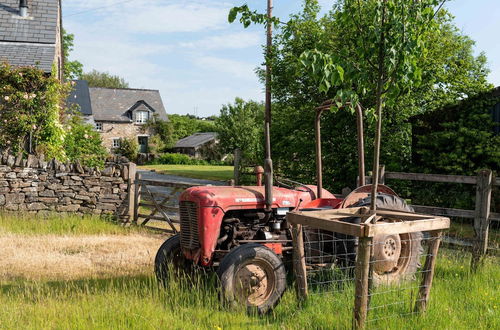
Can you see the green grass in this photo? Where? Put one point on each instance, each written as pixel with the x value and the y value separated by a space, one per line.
pixel 28 224
pixel 206 172
pixel 459 300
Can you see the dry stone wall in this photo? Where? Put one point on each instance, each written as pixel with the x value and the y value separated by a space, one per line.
pixel 35 185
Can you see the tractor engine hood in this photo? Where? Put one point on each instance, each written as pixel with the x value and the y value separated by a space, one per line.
pixel 245 197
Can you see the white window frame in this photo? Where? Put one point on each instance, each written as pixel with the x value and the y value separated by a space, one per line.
pixel 115 142
pixel 141 116
pixel 99 126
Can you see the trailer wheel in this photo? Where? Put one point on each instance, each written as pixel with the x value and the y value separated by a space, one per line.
pixel 397 257
pixel 170 260
pixel 253 276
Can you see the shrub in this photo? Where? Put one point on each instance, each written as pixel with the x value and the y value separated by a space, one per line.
pixel 128 148
pixel 179 159
pixel 31 111
pixel 83 143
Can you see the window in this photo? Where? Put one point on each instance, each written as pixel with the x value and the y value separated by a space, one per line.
pixel 141 117
pixel 98 127
pixel 116 142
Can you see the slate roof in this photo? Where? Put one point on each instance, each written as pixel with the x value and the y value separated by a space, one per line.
pixel 196 140
pixel 80 96
pixel 115 104
pixel 30 40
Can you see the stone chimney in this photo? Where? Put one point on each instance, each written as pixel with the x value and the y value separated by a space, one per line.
pixel 23 8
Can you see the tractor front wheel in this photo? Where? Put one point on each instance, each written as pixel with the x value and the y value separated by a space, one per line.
pixel 170 260
pixel 253 276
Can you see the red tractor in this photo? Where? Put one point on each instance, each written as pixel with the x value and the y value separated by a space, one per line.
pixel 242 232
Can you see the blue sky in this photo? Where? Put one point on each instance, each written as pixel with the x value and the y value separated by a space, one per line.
pixel 197 60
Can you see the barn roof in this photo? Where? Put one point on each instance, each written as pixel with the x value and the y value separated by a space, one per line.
pixel 196 140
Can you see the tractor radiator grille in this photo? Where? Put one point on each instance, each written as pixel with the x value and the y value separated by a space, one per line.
pixel 189 225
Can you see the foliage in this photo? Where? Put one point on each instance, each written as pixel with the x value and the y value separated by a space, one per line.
pixel 178 159
pixel 239 126
pixel 30 111
pixel 459 139
pixel 129 148
pixel 449 71
pixel 72 69
pixel 186 125
pixel 163 135
pixel 83 143
pixel 104 79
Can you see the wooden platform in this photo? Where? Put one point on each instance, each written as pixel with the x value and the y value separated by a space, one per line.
pixel 394 222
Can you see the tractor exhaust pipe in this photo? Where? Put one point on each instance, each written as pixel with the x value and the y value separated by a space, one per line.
pixel 268 163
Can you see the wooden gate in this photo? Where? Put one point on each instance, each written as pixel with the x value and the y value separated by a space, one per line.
pixel 158 200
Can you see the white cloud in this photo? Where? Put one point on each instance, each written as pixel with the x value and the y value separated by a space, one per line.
pixel 226 41
pixel 157 17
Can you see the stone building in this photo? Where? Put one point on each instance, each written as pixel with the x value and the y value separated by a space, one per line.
pixel 30 34
pixel 119 113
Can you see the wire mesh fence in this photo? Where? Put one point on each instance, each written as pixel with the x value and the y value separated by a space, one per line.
pixel 398 279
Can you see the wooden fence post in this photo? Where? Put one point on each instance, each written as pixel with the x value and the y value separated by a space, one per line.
pixel 132 168
pixel 428 272
pixel 381 171
pixel 299 262
pixel 237 161
pixel 362 274
pixel 137 197
pixel 481 217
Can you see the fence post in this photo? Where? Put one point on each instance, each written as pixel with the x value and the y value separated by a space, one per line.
pixel 362 274
pixel 137 197
pixel 237 161
pixel 381 171
pixel 481 217
pixel 131 190
pixel 428 272
pixel 299 262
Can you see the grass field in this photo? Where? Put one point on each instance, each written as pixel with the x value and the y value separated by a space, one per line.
pixel 459 300
pixel 206 172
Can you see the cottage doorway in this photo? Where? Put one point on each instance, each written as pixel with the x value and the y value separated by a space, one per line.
pixel 143 144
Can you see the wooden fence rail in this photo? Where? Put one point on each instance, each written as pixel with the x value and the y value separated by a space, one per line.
pixel 482 214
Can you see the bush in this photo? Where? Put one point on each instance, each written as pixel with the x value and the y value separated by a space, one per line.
pixel 128 148
pixel 179 159
pixel 31 112
pixel 83 143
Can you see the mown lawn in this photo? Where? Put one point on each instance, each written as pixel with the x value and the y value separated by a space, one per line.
pixel 459 300
pixel 206 172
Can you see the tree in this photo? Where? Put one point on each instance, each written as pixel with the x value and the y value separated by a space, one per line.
pixel 239 126
pixel 163 135
pixel 72 69
pixel 449 71
pixel 104 79
pixel 186 125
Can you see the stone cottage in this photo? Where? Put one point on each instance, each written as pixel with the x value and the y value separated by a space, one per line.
pixel 30 34
pixel 119 112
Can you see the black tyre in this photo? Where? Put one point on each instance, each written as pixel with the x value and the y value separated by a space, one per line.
pixel 170 260
pixel 253 276
pixel 397 257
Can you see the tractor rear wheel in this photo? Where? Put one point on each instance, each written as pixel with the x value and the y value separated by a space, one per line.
pixel 253 276
pixel 397 257
pixel 170 260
